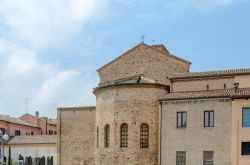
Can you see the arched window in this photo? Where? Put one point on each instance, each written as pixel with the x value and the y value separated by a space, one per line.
pixel 124 135
pixel 106 136
pixel 144 134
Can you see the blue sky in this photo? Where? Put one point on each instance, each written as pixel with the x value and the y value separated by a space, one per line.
pixel 50 49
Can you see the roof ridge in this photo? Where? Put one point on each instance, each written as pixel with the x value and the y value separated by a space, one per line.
pixel 120 56
pixel 211 73
pixel 149 46
pixel 169 54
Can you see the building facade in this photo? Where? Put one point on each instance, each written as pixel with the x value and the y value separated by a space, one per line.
pixel 17 127
pixel 205 118
pixel 151 110
pixel 34 147
pixel 27 124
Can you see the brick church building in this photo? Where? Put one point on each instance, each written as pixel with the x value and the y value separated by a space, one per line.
pixel 151 110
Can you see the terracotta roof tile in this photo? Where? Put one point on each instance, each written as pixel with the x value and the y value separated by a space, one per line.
pixel 211 73
pixel 221 93
pixel 16 121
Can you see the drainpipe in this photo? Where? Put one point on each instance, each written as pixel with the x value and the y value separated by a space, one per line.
pixel 160 131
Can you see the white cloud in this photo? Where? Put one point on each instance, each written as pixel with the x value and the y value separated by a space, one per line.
pixel 42 23
pixel 28 27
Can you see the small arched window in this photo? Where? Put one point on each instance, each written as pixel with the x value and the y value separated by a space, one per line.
pixel 124 135
pixel 106 136
pixel 144 135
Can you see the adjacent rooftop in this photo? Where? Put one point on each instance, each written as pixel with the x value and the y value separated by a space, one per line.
pixel 229 72
pixel 221 93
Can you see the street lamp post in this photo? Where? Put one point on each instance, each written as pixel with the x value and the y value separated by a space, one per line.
pixel 3 137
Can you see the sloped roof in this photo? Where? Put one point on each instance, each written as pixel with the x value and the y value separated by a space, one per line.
pixel 16 121
pixel 154 47
pixel 138 79
pixel 211 73
pixel 160 47
pixel 221 93
pixel 49 121
pixel 34 139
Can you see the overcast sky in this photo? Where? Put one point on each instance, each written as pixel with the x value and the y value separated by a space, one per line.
pixel 50 49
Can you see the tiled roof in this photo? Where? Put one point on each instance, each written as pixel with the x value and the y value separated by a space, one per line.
pixel 16 121
pixel 221 93
pixel 35 139
pixel 211 73
pixel 139 79
pixel 77 108
pixel 50 121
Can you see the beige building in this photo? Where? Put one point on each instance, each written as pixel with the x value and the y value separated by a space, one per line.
pixel 151 110
pixel 202 120
pixel 36 147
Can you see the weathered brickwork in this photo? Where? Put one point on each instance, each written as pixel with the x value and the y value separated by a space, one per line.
pixel 195 138
pixel 133 105
pixel 143 60
pixel 76 137
pixel 132 89
pixel 203 84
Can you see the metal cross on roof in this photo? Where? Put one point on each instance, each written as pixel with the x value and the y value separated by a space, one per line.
pixel 142 38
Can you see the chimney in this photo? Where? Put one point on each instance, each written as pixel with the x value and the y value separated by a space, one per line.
pixel 236 87
pixel 37 118
pixel 37 114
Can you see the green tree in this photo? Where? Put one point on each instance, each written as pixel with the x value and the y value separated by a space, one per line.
pixel 9 159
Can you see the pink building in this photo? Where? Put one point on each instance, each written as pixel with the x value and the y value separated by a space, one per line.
pixel 27 125
pixel 48 127
pixel 16 127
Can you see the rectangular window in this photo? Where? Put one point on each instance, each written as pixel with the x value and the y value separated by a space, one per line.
pixel 2 130
pixel 17 132
pixel 181 119
pixel 180 157
pixel 245 148
pixel 208 158
pixel 209 119
pixel 246 117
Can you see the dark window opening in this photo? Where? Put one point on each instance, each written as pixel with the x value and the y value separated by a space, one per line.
pixel 245 148
pixel 17 132
pixel 209 119
pixel 208 157
pixel 106 136
pixel 144 136
pixel 181 158
pixel 124 135
pixel 181 119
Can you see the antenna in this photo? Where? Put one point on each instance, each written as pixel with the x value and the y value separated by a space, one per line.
pixel 26 103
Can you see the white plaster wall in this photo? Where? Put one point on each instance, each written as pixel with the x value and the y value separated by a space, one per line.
pixel 33 151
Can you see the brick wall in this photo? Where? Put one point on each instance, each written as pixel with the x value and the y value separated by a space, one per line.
pixel 76 136
pixel 133 105
pixel 143 60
